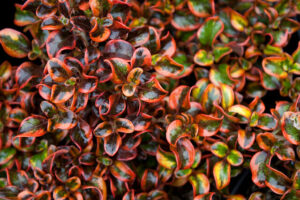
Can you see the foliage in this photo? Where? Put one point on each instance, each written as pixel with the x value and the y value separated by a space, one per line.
pixel 128 99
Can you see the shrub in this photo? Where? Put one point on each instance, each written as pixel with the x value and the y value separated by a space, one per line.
pixel 150 99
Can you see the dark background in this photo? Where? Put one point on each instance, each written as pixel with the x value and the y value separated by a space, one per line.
pixel 239 185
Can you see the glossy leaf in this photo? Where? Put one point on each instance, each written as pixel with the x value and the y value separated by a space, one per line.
pixel 166 159
pixel 257 166
pixel 6 155
pixel 238 21
pixel 210 30
pixel 33 126
pixel 122 171
pixel 202 8
pixel 290 127
pixel 219 149
pixel 14 43
pixel 203 58
pixel 246 138
pixel 221 173
pixel 235 158
pixel 200 183
pixel 180 98
pixel 208 125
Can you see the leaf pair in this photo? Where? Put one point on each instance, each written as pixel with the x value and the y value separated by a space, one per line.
pixel 110 132
pixel 222 168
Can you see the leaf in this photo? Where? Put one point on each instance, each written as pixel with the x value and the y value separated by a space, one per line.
pixel 152 91
pixel 208 125
pixel 165 159
pixel 48 108
pixel 60 193
pixel 124 125
pixel 184 21
pixel 6 155
pixel 220 51
pixel 265 141
pixel 180 98
pixel 139 36
pixel 149 180
pixel 210 30
pixel 208 196
pixel 5 70
pixel 58 41
pixel 277 181
pixel 120 68
pixel 199 88
pixel 200 183
pixel 65 119
pixel 185 154
pixel 81 135
pixel 267 122
pixel 122 171
pixel 141 57
pixel 296 180
pixel 203 58
pixel 23 17
pixel 241 110
pixel 227 96
pixel 51 24
pixel 73 183
pixel 14 43
pixel 257 166
pixel 99 33
pixel 61 93
pixel 219 149
pixel 220 75
pixel 175 132
pixel 201 8
pixel 238 21
pixel 275 66
pixel 103 129
pixel 221 173
pixel 235 158
pixel 166 66
pixel 119 49
pixel 210 95
pixel 33 126
pixel 285 153
pixel 100 7
pixel 246 138
pixel 290 127
pixel 112 143
pixel 58 70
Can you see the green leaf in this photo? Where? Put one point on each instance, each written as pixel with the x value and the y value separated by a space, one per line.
pixel 210 30
pixel 221 173
pixel 7 154
pixel 235 158
pixel 201 8
pixel 165 159
pixel 276 66
pixel 203 58
pixel 200 183
pixel 220 51
pixel 184 21
pixel 219 149
pixel 14 43
pixel 238 21
pixel 257 165
pixel 290 126
pixel 24 17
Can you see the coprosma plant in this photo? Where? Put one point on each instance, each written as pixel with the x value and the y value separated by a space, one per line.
pixel 150 100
